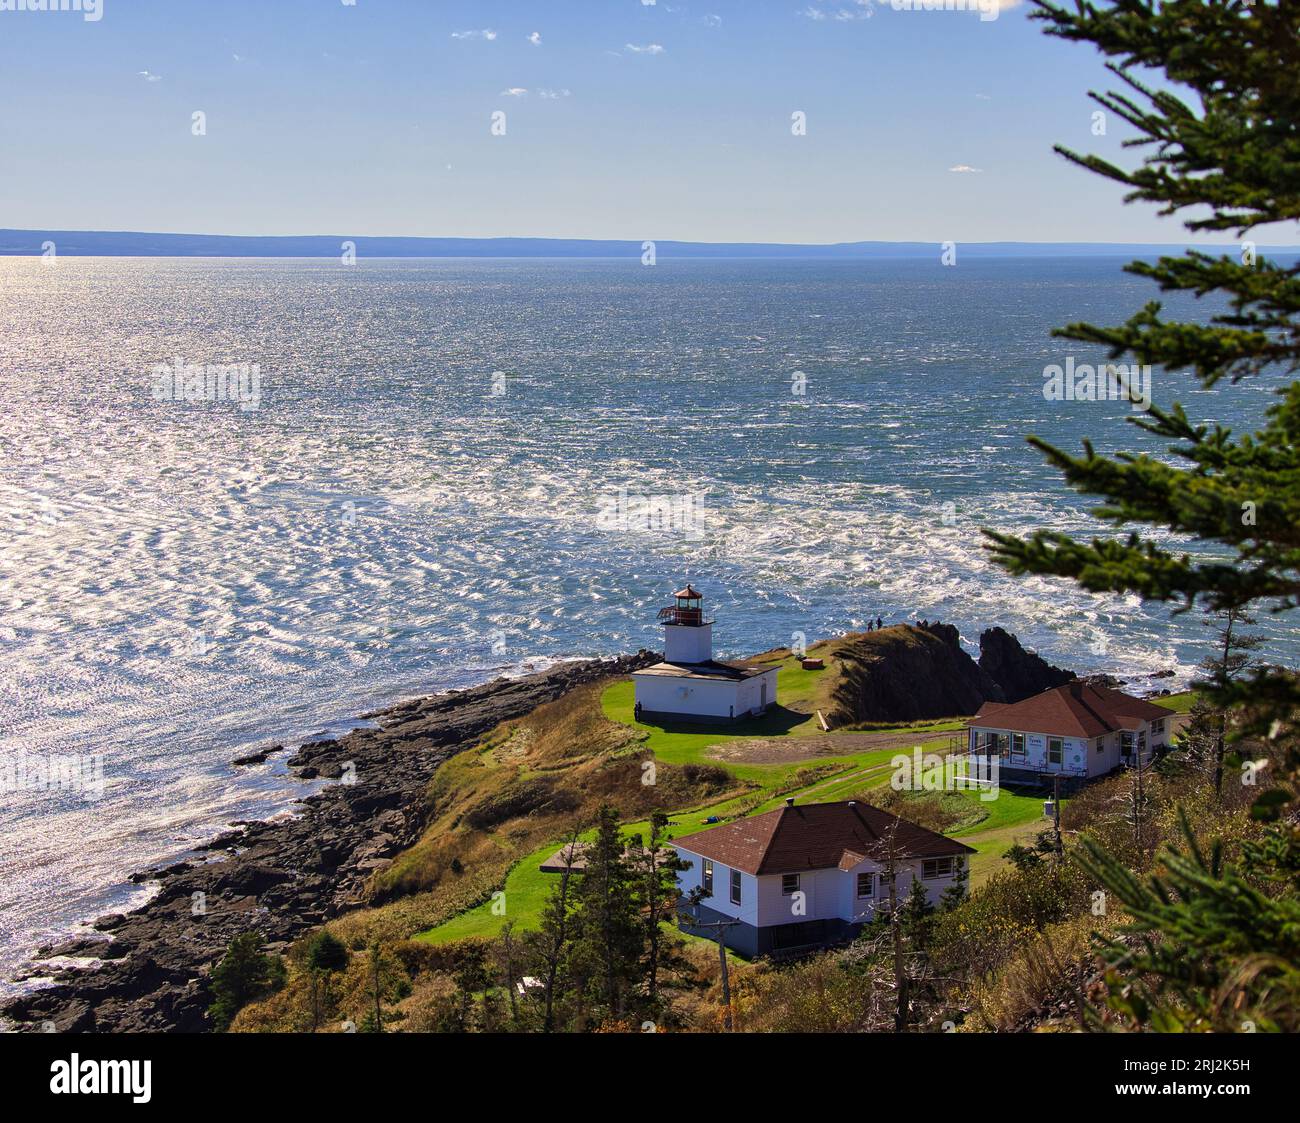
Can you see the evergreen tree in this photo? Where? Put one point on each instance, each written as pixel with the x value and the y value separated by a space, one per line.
pixel 326 952
pixel 654 869
pixel 325 956
pixel 550 945
pixel 1233 657
pixel 243 974
pixel 1212 952
pixel 609 934
pixel 385 982
pixel 917 916
pixel 955 893
pixel 1196 750
pixel 1224 141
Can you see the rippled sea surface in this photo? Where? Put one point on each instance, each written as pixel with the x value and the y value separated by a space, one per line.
pixel 431 492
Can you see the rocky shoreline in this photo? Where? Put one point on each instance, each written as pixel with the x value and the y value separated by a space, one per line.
pixel 285 876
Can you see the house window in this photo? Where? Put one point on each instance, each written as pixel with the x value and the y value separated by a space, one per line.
pixel 735 887
pixel 706 878
pixel 1018 744
pixel 936 867
pixel 864 885
pixel 1054 750
pixel 789 883
pixel 1101 744
pixel 1158 726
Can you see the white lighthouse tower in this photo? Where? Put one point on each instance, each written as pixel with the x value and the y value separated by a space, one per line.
pixel 688 637
pixel 690 684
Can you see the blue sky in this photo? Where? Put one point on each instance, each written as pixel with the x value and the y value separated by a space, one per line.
pixel 639 120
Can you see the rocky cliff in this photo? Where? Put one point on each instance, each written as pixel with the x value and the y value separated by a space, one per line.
pixel 907 673
pixel 918 672
pixel 1021 674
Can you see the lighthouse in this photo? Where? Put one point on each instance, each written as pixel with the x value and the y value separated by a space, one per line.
pixel 690 684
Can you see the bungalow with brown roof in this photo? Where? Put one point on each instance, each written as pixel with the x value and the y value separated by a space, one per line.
pixel 1077 730
pixel 807 876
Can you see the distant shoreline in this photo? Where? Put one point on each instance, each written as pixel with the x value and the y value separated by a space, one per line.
pixel 125 243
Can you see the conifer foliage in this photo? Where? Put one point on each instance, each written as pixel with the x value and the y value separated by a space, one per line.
pixel 1212 91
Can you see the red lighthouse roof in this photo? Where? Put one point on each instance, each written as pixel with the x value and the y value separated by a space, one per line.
pixel 689 592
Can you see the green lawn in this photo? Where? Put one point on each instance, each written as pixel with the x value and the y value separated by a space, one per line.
pixel 526 886
pixel 844 775
pixel 526 889
pixel 689 742
pixel 1179 703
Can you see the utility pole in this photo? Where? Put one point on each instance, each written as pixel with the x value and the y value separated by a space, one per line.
pixel 1139 807
pixel 1056 813
pixel 719 927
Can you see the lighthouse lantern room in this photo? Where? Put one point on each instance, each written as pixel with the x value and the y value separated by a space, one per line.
pixel 690 684
pixel 688 637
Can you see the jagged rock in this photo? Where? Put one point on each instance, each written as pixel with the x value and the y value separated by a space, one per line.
pixel 259 757
pixel 1019 673
pixel 908 673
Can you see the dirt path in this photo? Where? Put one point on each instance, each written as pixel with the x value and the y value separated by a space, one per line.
pixel 792 750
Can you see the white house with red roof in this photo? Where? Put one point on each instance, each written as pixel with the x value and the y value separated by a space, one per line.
pixel 1077 730
pixel 809 875
pixel 690 684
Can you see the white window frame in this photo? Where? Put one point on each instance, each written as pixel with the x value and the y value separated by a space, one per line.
pixel 786 888
pixel 735 887
pixel 706 876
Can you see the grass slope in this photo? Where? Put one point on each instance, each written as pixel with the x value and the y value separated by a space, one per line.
pixel 826 777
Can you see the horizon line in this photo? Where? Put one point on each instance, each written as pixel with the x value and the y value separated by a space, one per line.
pixel 36 242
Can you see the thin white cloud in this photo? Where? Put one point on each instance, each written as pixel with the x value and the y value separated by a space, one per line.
pixel 515 91
pixel 552 95
pixel 149 76
pixel 486 33
pixel 535 38
pixel 965 169
pixel 646 49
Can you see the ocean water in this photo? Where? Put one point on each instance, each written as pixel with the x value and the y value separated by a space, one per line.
pixel 458 469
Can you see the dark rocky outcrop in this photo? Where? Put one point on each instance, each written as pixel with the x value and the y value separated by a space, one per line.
pixel 261 756
pixel 287 876
pixel 1019 673
pixel 906 673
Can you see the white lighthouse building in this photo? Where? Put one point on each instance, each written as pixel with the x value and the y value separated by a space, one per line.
pixel 690 684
